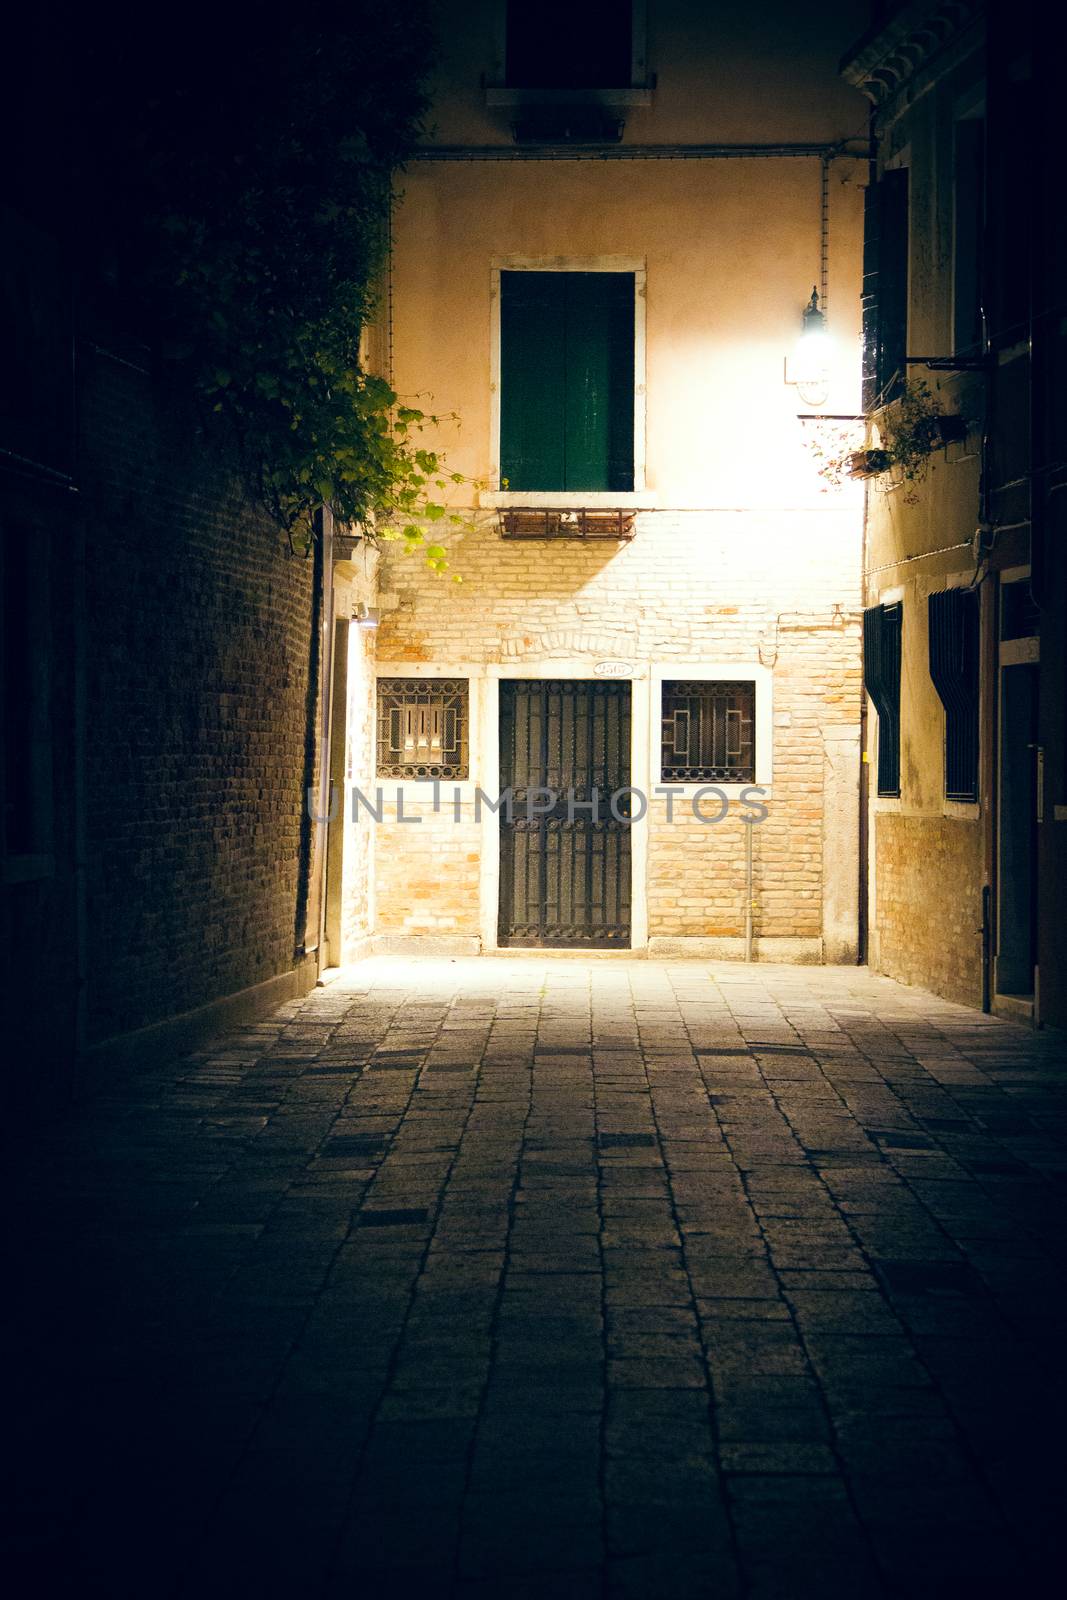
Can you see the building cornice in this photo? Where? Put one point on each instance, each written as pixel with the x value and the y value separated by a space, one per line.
pixel 884 61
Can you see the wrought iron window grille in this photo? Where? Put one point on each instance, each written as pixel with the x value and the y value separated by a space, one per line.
pixel 422 728
pixel 709 732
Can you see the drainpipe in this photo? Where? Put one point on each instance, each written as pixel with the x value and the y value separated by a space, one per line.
pixel 748 890
pixel 863 832
pixel 79 627
pixel 322 811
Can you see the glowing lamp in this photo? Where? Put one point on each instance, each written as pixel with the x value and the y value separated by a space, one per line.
pixel 808 368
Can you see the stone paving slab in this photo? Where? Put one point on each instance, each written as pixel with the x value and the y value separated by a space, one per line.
pixel 529 1277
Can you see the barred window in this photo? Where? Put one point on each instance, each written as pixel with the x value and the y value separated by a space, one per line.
pixel 709 732
pixel 422 727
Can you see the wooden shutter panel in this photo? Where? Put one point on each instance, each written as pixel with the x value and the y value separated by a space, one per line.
pixel 532 379
pixel 573 44
pixel 892 282
pixel 953 618
pixel 869 295
pixel 881 677
pixel 599 406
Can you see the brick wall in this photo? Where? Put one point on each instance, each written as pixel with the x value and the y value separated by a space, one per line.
pixel 761 589
pixel 928 914
pixel 198 665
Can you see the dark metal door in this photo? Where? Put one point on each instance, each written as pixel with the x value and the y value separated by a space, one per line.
pixel 564 871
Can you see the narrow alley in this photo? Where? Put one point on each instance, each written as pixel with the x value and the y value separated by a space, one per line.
pixel 524 1276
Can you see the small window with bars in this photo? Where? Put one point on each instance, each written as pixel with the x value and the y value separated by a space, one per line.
pixel 709 732
pixel 422 727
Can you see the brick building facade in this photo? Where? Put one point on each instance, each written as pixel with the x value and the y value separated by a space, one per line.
pixel 738 575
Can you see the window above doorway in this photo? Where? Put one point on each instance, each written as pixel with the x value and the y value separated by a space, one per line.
pixel 567 383
pixel 571 68
pixel 569 44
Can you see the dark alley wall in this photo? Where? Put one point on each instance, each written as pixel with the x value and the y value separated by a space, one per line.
pixel 159 691
pixel 198 647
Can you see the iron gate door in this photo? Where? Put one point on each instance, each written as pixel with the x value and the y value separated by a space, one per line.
pixel 564 874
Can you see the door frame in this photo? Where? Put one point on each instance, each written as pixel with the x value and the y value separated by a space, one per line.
pixel 488 768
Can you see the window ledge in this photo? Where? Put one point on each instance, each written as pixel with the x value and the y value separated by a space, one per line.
pixel 577 500
pixel 498 94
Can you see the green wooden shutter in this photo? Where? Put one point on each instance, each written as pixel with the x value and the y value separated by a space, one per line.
pixel 893 255
pixel 567 381
pixel 599 430
pixel 532 379
pixel 872 211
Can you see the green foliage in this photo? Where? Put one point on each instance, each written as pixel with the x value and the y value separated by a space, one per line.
pixel 251 168
pixel 909 430
pixel 913 428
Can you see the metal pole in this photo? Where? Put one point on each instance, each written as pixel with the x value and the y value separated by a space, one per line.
pixel 748 890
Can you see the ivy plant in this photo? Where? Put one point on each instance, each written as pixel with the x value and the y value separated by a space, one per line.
pixel 246 180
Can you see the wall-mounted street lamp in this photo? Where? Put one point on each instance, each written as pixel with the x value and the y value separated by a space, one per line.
pixel 808 368
pixel 365 616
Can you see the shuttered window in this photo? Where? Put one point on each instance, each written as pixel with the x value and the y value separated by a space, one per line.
pixel 968 196
pixel 881 677
pixel 567 381
pixel 569 44
pixel 954 669
pixel 885 288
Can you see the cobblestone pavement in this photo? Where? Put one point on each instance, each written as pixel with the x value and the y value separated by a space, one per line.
pixel 514 1278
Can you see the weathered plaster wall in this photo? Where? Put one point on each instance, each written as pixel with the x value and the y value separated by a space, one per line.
pixel 731 250
pixel 721 72
pixel 929 856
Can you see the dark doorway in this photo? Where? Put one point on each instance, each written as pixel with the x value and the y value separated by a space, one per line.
pixel 565 866
pixel 1017 852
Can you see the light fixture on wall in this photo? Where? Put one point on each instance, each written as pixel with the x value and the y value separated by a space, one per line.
pixel 365 616
pixel 808 368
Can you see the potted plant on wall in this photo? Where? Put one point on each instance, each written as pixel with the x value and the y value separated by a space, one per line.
pixel 913 427
pixel 907 432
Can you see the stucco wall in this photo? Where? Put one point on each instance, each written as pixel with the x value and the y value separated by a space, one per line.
pixel 930 857
pixel 722 72
pixel 731 250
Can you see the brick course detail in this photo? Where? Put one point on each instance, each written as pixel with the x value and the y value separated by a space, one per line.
pixel 767 590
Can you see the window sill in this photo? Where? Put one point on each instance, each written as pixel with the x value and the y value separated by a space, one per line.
pixel 733 791
pixel 577 500
pixel 498 94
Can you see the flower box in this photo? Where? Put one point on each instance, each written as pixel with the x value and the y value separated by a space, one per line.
pixel 868 463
